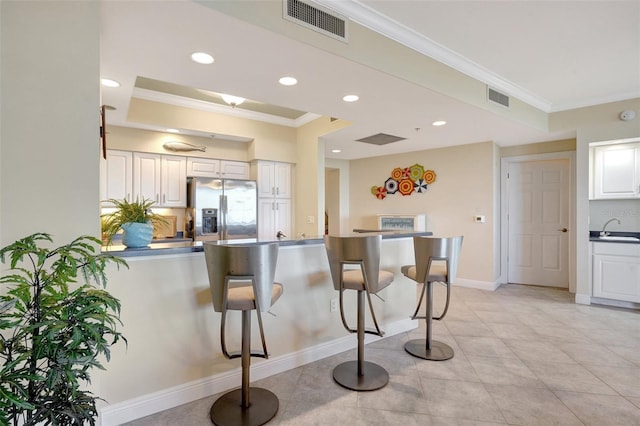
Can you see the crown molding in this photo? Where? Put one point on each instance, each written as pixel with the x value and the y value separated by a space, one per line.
pixel 381 24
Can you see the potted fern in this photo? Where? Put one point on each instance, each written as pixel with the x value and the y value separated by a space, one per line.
pixel 136 220
pixel 57 323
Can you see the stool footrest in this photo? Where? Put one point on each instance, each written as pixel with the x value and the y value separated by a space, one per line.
pixel 233 355
pixel 228 411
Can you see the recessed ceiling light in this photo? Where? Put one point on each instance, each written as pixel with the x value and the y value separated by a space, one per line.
pixel 173 130
pixel 288 81
pixel 202 58
pixel 336 150
pixel 350 98
pixel 439 123
pixel 109 83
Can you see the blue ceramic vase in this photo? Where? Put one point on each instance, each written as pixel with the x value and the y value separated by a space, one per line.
pixel 137 235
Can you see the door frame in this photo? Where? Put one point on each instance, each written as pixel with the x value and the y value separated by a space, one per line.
pixel 504 211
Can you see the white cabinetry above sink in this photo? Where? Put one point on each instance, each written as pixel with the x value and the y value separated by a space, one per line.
pixel 616 171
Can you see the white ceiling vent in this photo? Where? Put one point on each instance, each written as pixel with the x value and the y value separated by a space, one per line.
pixel 316 18
pixel 497 97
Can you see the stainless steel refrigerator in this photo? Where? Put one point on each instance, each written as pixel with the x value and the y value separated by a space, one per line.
pixel 222 209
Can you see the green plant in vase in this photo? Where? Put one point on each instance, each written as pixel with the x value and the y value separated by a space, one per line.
pixel 56 324
pixel 135 218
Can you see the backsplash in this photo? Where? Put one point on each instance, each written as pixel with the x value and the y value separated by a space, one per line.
pixel 628 211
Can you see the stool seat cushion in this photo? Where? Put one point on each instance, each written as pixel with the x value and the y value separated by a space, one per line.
pixel 438 273
pixel 241 298
pixel 353 280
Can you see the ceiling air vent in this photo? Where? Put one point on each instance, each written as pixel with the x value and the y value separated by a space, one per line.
pixel 381 139
pixel 316 18
pixel 497 97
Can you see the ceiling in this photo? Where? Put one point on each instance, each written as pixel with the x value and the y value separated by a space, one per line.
pixel 550 55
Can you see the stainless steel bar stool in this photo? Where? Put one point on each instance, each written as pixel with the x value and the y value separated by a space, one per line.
pixel 436 261
pixel 367 279
pixel 241 278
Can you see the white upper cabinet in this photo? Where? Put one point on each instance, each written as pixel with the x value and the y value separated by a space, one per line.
pixel 274 179
pixel 234 169
pixel 116 178
pixel 616 171
pixel 160 178
pixel 208 167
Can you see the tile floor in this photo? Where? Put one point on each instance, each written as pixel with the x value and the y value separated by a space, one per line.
pixel 523 356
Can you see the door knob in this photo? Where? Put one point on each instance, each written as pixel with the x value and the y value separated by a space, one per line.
pixel 563 229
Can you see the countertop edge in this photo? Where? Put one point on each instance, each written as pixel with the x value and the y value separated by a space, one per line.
pixel 160 249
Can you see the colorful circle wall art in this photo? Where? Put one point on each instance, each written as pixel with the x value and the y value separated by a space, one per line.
pixel 406 181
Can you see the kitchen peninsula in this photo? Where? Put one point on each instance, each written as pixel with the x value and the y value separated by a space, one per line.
pixel 166 305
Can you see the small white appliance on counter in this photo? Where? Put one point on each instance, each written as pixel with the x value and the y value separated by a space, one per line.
pixel 403 222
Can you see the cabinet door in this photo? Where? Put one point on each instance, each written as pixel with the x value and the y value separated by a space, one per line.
pixel 282 217
pixel 617 171
pixel 116 174
pixel 616 277
pixel 234 169
pixel 173 181
pixel 203 167
pixel 147 176
pixel 266 219
pixel 266 183
pixel 282 179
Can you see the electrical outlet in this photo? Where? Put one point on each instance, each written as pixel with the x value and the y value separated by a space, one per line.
pixel 333 307
pixel 311 220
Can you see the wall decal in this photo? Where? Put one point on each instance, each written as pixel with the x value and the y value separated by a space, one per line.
pixel 406 181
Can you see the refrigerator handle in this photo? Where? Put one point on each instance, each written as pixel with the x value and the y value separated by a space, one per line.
pixel 224 232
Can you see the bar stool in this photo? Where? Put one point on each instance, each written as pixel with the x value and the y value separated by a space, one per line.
pixel 241 278
pixel 436 261
pixel 368 279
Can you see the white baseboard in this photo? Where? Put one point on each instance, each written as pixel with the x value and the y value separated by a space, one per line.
pixel 481 285
pixel 583 299
pixel 616 303
pixel 146 405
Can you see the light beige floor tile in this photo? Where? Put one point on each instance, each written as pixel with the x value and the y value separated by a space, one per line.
pixel 458 399
pixel 375 417
pixel 504 371
pixel 402 393
pixel 634 400
pixel 625 380
pixel 484 346
pixel 468 328
pixel 598 410
pixel 513 331
pixel 497 315
pixel 305 413
pixel 631 354
pixel 451 421
pixel 594 354
pixel 397 363
pixel 531 406
pixel 537 350
pixel 456 368
pixel 569 377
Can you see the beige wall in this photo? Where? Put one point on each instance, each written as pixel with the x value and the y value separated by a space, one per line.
pixel 128 139
pixel 565 145
pixel 465 180
pixel 49 166
pixel 269 141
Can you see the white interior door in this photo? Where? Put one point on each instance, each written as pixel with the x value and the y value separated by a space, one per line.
pixel 538 221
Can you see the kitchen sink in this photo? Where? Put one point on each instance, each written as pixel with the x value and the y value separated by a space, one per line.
pixel 619 238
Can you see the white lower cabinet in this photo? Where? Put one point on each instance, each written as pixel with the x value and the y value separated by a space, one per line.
pixel 274 216
pixel 616 271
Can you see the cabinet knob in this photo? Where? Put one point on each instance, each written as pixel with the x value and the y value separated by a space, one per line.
pixel 563 229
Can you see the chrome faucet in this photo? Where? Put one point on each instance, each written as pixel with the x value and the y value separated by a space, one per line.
pixel 603 233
